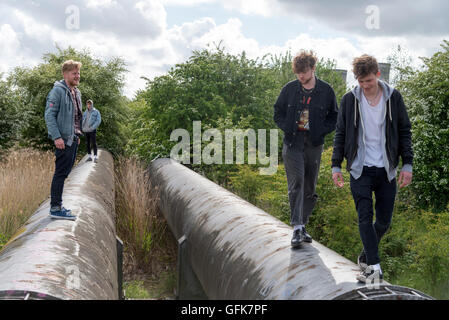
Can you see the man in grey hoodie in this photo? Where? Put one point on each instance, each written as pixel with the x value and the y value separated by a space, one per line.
pixel 373 132
pixel 63 116
pixel 91 121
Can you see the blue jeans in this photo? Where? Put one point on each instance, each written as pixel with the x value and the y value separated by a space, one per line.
pixel 65 158
pixel 373 180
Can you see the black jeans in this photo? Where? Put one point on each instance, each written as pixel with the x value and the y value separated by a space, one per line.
pixel 91 137
pixel 373 180
pixel 65 158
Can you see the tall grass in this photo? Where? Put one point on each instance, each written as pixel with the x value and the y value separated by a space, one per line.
pixel 25 179
pixel 149 246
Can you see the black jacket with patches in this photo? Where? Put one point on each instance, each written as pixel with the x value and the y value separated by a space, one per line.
pixel 323 111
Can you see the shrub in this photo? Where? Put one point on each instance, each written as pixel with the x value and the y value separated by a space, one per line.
pixel 426 94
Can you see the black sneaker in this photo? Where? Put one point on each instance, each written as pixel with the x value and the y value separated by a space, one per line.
pixel 370 276
pixel 361 260
pixel 297 239
pixel 307 237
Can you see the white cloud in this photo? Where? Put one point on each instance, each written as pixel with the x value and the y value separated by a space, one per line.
pixel 10 46
pixel 100 3
pixel 186 3
pixel 153 11
pixel 264 8
pixel 231 37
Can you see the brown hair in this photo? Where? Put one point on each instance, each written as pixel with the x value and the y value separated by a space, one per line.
pixel 303 61
pixel 69 65
pixel 364 65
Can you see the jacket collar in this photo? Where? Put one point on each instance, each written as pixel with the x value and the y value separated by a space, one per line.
pixel 318 85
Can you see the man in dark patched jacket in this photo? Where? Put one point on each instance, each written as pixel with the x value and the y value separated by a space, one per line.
pixel 306 110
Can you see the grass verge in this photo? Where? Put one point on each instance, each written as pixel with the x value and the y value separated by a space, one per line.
pixel 150 249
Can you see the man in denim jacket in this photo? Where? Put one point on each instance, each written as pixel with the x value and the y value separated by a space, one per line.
pixel 91 121
pixel 63 117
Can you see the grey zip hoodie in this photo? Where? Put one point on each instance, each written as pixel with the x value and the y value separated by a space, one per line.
pixel 357 165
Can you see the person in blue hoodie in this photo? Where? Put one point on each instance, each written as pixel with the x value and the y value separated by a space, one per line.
pixel 373 132
pixel 63 117
pixel 91 121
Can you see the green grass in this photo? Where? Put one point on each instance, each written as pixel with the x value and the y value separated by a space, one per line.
pixel 159 288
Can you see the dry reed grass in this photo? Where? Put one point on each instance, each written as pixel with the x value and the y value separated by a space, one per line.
pixel 149 245
pixel 25 179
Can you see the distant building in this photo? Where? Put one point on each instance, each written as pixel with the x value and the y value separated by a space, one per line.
pixel 343 73
pixel 384 71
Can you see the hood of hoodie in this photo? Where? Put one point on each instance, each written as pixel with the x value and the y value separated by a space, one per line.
pixel 91 109
pixel 387 91
pixel 62 84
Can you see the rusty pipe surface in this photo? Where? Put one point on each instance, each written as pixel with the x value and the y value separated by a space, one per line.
pixel 61 259
pixel 238 251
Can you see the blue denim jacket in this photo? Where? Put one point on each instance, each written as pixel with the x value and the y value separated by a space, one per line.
pixel 94 120
pixel 59 110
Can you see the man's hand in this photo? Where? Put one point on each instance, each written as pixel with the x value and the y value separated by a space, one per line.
pixel 59 143
pixel 405 178
pixel 338 179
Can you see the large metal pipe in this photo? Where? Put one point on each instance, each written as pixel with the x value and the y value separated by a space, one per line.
pixel 237 251
pixel 61 259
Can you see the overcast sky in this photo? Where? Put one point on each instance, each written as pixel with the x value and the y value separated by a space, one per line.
pixel 153 35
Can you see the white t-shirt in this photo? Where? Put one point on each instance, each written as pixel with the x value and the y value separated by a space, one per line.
pixel 373 118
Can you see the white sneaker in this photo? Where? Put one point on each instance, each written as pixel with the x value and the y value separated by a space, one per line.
pixel 369 275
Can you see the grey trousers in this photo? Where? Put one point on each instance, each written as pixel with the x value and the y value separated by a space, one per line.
pixel 302 166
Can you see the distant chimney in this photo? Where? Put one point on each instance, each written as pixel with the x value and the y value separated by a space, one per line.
pixel 384 71
pixel 343 73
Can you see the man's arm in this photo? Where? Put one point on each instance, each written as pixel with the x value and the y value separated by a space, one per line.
pixel 51 114
pixel 405 145
pixel 339 145
pixel 280 110
pixel 98 120
pixel 332 114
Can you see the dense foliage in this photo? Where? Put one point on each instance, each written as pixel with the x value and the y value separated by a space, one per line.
pixel 426 93
pixel 221 90
pixel 9 116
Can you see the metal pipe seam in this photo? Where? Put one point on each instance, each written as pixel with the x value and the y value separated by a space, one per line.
pixel 62 259
pixel 238 251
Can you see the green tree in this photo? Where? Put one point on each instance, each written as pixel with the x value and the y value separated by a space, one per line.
pixel 209 87
pixel 101 81
pixel 9 116
pixel 214 87
pixel 426 93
